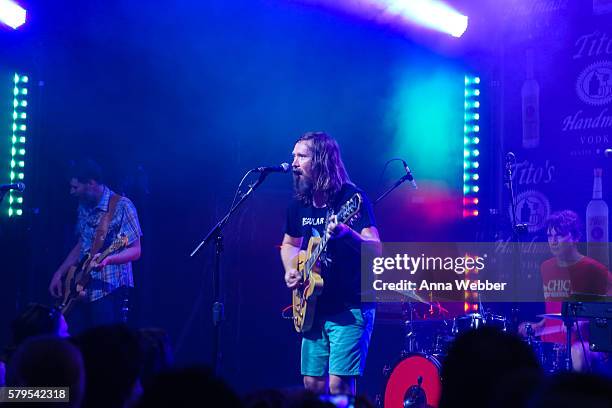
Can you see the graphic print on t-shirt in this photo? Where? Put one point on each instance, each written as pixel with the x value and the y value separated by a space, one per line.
pixel 313 221
pixel 557 288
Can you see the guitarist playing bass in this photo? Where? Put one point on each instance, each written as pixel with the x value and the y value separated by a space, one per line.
pixel 335 346
pixel 103 216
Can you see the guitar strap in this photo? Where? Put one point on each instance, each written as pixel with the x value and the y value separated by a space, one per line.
pixel 102 229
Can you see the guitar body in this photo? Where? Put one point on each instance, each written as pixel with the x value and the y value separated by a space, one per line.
pixel 78 276
pixel 71 286
pixel 305 295
pixel 304 298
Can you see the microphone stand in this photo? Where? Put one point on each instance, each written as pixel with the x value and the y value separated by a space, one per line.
pixel 218 307
pixel 517 231
pixel 409 335
pixel 404 178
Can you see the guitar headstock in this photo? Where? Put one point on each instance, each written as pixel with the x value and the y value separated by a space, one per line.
pixel 350 208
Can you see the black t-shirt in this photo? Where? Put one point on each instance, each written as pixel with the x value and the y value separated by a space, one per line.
pixel 341 273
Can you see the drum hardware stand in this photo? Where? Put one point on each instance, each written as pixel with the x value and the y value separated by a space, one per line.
pixel 530 332
pixel 410 341
pixel 569 317
pixel 568 321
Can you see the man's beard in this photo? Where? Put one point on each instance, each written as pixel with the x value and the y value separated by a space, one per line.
pixel 302 185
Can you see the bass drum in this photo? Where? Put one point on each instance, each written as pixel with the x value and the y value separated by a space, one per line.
pixel 402 388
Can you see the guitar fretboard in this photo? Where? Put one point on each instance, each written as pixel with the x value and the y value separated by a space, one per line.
pixel 348 210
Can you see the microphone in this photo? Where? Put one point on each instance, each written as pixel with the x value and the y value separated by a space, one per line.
pixel 15 186
pixel 409 175
pixel 283 168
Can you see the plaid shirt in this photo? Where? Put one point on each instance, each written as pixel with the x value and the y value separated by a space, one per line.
pixel 124 221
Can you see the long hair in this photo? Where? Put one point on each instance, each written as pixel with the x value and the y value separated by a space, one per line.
pixel 328 171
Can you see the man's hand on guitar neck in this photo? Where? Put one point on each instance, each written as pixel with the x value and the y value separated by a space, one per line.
pixel 99 265
pixel 336 229
pixel 292 278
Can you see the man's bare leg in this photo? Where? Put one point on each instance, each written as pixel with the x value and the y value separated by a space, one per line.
pixel 342 384
pixel 317 385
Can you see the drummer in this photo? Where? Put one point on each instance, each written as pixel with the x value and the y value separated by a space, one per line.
pixel 568 272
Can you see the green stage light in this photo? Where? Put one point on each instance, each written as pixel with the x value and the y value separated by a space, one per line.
pixel 18 141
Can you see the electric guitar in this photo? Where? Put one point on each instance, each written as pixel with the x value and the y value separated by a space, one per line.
pixel 308 264
pixel 79 275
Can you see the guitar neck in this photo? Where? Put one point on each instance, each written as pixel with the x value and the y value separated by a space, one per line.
pixel 323 244
pixel 103 255
pixel 106 253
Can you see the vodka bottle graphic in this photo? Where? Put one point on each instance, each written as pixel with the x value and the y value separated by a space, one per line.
pixel 597 224
pixel 530 105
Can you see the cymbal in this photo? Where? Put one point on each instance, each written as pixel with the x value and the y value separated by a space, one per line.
pixel 558 316
pixel 412 295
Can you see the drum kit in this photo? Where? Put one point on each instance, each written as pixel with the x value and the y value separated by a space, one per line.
pixel 414 380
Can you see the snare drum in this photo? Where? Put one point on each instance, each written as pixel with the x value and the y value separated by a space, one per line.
pixel 402 388
pixel 472 321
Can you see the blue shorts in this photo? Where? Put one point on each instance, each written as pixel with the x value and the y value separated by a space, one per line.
pixel 338 344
